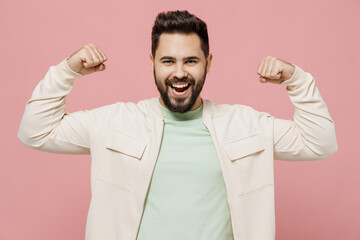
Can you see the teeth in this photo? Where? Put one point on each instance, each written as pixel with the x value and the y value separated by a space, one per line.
pixel 180 85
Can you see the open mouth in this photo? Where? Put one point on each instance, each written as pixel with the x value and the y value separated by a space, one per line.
pixel 180 87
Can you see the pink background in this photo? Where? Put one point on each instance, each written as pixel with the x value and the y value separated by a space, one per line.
pixel 46 196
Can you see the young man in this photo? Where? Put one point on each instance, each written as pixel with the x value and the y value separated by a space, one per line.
pixel 178 166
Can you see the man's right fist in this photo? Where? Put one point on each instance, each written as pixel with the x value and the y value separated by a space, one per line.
pixel 87 60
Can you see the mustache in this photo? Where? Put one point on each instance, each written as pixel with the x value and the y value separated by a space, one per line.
pixel 179 80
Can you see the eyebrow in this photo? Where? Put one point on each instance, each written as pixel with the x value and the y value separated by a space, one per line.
pixel 172 58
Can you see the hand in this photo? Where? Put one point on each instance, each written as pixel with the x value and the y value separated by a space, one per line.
pixel 274 70
pixel 87 60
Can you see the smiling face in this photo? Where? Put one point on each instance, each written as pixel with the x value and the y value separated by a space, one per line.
pixel 180 70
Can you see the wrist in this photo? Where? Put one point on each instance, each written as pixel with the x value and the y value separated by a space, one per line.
pixel 71 69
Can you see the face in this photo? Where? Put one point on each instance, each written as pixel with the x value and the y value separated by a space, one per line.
pixel 180 68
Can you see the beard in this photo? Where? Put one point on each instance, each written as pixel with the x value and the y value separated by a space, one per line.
pixel 180 104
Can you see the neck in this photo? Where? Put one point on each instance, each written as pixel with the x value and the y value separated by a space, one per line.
pixel 197 104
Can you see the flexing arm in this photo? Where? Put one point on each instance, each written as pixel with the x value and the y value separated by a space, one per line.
pixel 45 124
pixel 311 135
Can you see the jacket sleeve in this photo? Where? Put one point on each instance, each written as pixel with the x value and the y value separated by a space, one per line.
pixel 311 135
pixel 46 126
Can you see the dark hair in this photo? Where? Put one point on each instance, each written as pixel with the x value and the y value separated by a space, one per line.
pixel 179 22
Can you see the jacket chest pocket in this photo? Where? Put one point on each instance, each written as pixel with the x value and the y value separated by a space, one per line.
pixel 121 162
pixel 251 167
pixel 243 147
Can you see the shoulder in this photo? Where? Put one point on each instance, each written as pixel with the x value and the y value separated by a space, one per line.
pixel 229 109
pixel 131 108
pixel 236 121
pixel 124 109
pixel 238 115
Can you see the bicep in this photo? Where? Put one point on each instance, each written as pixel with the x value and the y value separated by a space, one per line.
pixel 291 143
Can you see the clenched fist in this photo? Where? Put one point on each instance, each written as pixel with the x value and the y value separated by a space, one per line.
pixel 274 70
pixel 87 60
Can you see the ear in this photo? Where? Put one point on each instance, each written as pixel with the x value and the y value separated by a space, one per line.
pixel 208 62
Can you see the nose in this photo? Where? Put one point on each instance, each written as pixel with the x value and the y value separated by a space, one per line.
pixel 180 71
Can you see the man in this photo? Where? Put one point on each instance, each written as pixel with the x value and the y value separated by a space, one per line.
pixel 179 166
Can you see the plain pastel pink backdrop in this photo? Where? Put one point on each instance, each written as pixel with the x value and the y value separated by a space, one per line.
pixel 46 196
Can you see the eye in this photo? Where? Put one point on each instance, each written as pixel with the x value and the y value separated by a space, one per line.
pixel 167 62
pixel 191 61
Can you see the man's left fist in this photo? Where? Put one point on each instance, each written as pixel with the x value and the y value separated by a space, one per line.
pixel 274 70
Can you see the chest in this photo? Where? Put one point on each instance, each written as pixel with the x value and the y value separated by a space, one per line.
pixel 187 153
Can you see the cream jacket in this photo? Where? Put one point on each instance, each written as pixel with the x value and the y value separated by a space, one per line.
pixel 124 140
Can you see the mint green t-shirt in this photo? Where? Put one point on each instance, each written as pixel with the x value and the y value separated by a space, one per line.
pixel 186 198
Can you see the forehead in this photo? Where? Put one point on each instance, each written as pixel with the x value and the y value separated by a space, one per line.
pixel 179 45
